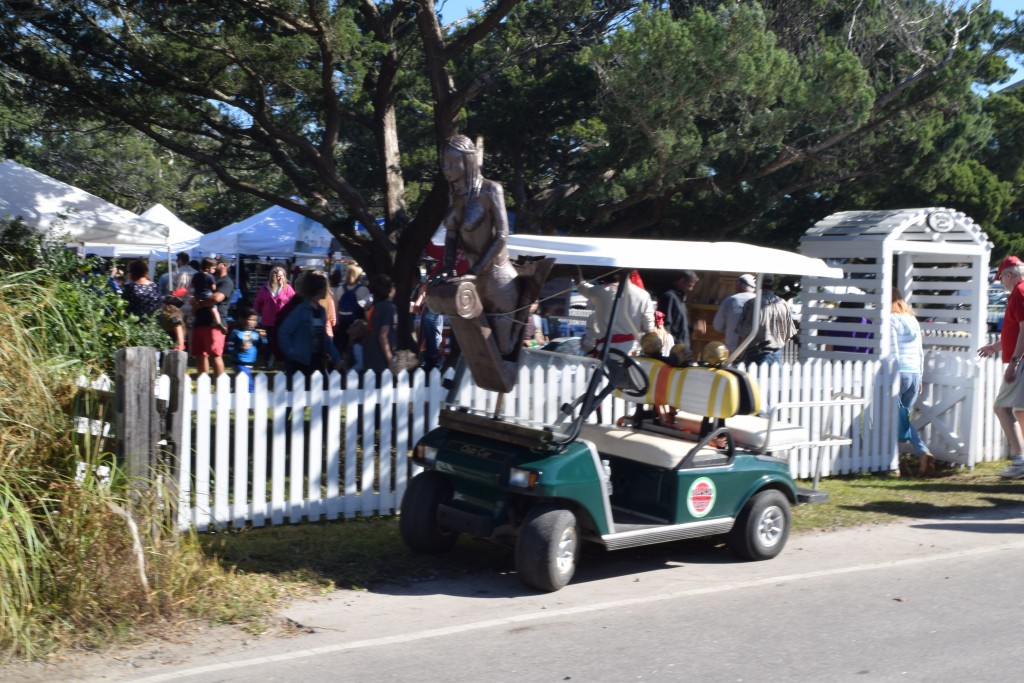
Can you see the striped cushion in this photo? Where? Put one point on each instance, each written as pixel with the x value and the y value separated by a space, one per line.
pixel 707 391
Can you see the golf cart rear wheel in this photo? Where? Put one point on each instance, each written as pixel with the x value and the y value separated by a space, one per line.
pixel 548 548
pixel 763 526
pixel 418 521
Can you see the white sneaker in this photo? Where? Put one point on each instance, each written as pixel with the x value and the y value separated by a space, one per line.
pixel 1014 471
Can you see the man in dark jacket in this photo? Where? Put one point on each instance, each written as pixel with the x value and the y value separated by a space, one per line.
pixel 672 303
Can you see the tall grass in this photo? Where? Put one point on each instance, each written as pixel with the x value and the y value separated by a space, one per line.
pixel 84 557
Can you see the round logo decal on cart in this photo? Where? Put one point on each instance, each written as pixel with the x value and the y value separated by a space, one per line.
pixel 701 497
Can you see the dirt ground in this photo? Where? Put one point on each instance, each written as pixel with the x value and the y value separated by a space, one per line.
pixel 177 644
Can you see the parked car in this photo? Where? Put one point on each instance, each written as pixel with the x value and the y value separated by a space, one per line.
pixel 997 297
pixel 569 346
pixel 706 469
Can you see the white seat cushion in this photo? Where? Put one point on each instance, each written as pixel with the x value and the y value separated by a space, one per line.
pixel 751 431
pixel 651 449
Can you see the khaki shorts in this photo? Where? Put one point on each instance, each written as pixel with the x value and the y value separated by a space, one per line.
pixel 1011 394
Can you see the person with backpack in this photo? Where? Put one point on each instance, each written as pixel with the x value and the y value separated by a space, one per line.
pixel 302 331
pixel 351 299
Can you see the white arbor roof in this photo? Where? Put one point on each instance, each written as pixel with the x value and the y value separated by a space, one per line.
pixel 936 257
pixel 923 231
pixel 46 203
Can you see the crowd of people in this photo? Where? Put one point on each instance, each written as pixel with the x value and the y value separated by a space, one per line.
pixel 342 321
pixel 307 323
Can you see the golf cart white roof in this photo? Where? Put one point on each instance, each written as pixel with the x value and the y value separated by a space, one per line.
pixel 733 257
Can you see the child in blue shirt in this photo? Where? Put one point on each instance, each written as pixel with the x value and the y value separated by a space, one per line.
pixel 243 344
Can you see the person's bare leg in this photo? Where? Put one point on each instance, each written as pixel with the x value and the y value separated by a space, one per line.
pixel 202 364
pixel 218 366
pixel 1018 414
pixel 1011 429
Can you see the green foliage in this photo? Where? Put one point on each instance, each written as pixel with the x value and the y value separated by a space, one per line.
pixel 72 314
pixel 708 118
pixel 20 245
pixel 69 569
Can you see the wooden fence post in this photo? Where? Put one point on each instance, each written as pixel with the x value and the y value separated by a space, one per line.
pixel 175 366
pixel 136 421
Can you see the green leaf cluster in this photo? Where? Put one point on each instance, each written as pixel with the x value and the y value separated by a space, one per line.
pixel 66 308
pixel 695 118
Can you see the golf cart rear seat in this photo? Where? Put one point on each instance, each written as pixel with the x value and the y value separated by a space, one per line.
pixel 753 432
pixel 699 395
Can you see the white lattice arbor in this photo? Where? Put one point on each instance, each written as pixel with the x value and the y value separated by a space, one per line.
pixel 938 258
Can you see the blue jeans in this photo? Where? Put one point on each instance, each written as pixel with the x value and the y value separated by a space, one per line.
pixel 247 369
pixel 430 329
pixel 764 357
pixel 910 387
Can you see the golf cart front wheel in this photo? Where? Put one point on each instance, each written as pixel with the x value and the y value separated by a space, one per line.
pixel 418 521
pixel 763 526
pixel 548 548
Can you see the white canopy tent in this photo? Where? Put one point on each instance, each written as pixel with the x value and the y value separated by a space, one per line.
pixel 181 237
pixel 45 203
pixel 180 231
pixel 273 232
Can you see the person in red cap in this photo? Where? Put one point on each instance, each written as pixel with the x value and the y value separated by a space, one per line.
pixel 1009 403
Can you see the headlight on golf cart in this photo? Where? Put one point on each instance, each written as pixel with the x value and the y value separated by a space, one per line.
pixel 426 454
pixel 524 479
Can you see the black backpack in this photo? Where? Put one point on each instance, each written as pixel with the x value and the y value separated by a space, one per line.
pixel 348 305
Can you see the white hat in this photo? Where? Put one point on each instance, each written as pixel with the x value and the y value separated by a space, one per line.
pixel 746 279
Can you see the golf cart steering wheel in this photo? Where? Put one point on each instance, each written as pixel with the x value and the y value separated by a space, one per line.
pixel 625 374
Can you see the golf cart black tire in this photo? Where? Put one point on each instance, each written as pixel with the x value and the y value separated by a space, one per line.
pixel 418 521
pixel 763 526
pixel 547 533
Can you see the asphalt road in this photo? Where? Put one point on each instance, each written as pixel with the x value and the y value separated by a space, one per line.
pixel 935 600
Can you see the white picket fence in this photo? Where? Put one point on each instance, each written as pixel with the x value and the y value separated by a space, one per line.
pixel 277 455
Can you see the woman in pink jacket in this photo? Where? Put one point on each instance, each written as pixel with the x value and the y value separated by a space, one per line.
pixel 271 298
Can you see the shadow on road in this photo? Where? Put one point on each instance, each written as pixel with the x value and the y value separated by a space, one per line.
pixel 595 564
pixel 997 508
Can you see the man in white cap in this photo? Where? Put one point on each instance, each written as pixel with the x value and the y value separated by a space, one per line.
pixel 1009 403
pixel 729 310
pixel 774 329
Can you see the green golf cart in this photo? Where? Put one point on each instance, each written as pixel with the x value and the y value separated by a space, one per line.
pixel 697 458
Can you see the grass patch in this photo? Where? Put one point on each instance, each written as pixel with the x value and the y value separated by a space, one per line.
pixel 351 554
pixel 879 499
